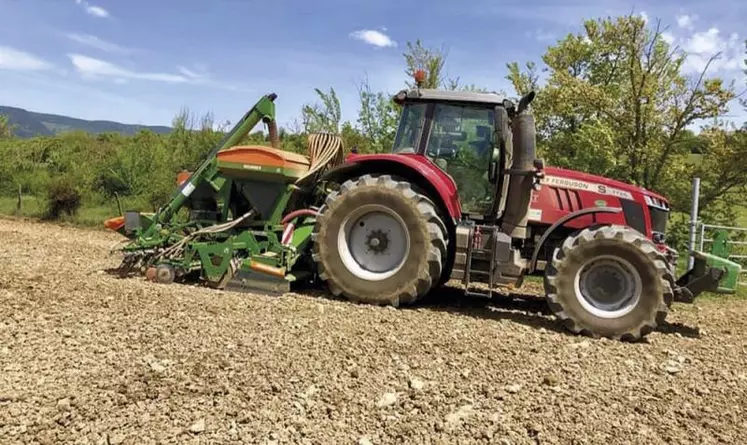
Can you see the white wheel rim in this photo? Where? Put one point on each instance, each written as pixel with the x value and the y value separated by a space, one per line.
pixel 373 242
pixel 608 286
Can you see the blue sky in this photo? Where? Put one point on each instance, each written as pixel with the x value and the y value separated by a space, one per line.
pixel 139 61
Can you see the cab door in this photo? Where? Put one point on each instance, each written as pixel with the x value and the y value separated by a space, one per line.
pixel 461 141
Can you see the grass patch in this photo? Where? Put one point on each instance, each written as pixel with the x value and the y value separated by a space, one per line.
pixel 89 215
pixel 31 207
pixel 741 220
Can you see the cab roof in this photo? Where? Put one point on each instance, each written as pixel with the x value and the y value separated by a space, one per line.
pixel 426 94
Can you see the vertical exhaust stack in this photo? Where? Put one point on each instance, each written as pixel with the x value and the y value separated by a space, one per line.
pixel 521 181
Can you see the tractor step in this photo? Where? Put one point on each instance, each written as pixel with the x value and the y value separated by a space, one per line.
pixel 484 248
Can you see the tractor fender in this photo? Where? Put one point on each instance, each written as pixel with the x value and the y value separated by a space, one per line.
pixel 571 216
pixel 438 185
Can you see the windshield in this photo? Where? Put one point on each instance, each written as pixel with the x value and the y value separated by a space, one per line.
pixel 464 132
pixel 410 128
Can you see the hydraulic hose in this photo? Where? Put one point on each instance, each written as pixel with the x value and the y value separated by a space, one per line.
pixel 325 150
pixel 296 213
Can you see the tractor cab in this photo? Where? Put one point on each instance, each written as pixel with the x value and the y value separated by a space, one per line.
pixel 468 136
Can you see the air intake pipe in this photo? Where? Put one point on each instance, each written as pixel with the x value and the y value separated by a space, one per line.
pixel 521 182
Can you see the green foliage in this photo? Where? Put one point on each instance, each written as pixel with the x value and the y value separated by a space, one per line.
pixel 616 103
pixel 77 169
pixel 325 117
pixel 378 118
pixel 430 61
pixel 63 196
pixel 6 129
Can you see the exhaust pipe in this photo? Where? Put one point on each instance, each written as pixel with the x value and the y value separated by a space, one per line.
pixel 516 215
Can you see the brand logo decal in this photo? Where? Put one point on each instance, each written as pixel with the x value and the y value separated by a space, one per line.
pixel 577 184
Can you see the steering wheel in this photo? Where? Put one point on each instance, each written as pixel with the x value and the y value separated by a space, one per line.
pixel 441 153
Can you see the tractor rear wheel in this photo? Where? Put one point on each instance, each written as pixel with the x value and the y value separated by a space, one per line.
pixel 609 281
pixel 378 241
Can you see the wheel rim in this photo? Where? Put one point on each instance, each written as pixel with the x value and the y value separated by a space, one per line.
pixel 608 286
pixel 373 242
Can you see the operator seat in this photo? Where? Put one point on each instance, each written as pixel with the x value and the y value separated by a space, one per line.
pixel 484 145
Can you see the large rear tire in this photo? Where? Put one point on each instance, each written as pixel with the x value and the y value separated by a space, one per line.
pixel 609 281
pixel 378 241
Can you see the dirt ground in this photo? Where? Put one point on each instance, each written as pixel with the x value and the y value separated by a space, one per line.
pixel 89 358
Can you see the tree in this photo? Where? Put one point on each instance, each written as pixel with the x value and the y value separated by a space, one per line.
pixel 325 117
pixel 617 103
pixel 417 57
pixel 6 129
pixel 377 118
pixel 431 62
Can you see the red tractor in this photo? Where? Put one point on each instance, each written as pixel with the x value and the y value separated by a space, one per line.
pixel 463 197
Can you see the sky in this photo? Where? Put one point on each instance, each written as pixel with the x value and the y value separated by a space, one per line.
pixel 142 61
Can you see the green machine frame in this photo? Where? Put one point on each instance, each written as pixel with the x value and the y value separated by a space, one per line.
pixel 236 253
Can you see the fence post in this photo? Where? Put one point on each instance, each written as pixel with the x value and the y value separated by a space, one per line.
pixel 693 222
pixel 19 203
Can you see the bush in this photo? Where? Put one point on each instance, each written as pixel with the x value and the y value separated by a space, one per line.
pixel 63 196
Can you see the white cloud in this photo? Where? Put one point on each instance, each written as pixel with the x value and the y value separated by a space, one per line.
pixel 96 11
pixel 541 35
pixel 92 68
pixel 701 46
pixel 644 16
pixel 192 74
pixel 372 37
pixel 686 21
pixel 16 60
pixel 95 42
pixel 707 42
pixel 668 37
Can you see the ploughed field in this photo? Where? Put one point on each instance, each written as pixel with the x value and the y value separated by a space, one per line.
pixel 89 358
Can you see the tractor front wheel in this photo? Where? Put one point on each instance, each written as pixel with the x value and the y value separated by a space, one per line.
pixel 378 241
pixel 608 281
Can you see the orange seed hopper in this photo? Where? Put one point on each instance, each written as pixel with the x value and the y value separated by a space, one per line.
pixel 265 163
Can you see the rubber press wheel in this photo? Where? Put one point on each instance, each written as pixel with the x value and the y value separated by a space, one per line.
pixel 609 281
pixel 165 274
pixel 378 241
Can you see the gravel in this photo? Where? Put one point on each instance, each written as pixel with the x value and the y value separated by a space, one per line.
pixel 89 358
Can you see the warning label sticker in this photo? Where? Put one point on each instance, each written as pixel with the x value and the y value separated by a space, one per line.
pixel 534 214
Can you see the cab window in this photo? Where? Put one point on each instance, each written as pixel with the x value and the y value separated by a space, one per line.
pixel 410 128
pixel 461 142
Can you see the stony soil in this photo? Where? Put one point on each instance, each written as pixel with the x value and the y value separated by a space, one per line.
pixel 89 358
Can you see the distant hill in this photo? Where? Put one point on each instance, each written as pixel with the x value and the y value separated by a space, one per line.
pixel 29 124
